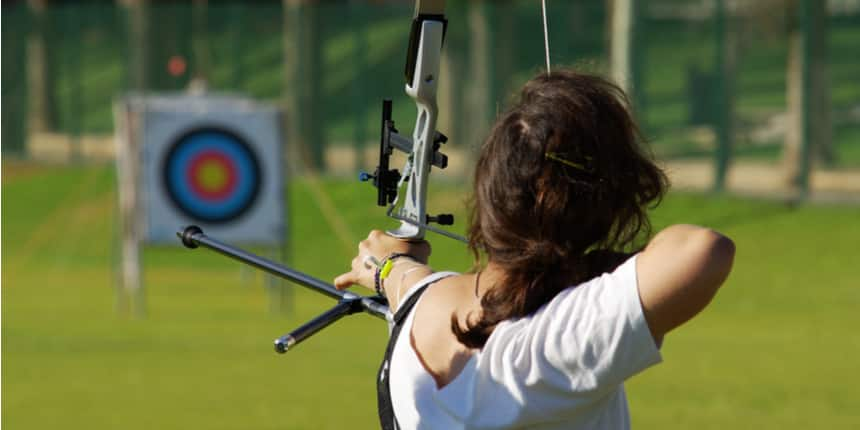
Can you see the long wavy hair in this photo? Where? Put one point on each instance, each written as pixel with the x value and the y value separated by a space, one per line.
pixel 561 192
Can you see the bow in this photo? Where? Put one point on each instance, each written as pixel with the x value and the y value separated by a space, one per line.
pixel 422 76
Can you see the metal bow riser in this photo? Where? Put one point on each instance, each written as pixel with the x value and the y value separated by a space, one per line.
pixel 422 89
pixel 422 76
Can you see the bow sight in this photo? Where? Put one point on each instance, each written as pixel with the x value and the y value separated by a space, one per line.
pixel 388 181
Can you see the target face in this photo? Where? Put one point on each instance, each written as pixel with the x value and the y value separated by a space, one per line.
pixel 211 175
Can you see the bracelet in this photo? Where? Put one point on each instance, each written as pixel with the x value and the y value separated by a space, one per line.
pixel 384 269
pixel 403 278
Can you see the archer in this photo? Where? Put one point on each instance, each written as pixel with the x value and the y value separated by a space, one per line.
pixel 567 306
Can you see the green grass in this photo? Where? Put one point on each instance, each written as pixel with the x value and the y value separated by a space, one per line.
pixel 776 350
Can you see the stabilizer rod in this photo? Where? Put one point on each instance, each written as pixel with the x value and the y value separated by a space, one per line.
pixel 340 310
pixel 193 236
pixel 348 303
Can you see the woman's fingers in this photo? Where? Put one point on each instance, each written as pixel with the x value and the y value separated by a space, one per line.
pixel 347 279
pixel 372 251
pixel 363 267
pixel 344 281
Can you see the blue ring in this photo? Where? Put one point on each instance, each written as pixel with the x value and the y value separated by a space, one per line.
pixel 176 169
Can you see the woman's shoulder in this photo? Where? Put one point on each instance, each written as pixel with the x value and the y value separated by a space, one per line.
pixel 446 298
pixel 441 354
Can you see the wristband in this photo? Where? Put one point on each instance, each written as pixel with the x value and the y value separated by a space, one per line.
pixel 384 269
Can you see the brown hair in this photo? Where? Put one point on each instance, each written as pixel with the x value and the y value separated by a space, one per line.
pixel 561 191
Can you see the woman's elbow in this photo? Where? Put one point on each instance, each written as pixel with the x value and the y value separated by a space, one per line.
pixel 722 255
pixel 681 274
pixel 716 255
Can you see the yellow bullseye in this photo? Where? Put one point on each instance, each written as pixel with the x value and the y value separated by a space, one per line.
pixel 212 176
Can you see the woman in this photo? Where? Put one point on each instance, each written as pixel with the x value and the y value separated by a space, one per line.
pixel 567 306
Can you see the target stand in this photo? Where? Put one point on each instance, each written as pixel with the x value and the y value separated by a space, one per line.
pixel 208 160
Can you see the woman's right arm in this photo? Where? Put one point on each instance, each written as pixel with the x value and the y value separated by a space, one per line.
pixel 679 272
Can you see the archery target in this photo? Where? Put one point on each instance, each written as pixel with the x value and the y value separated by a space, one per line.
pixel 211 175
pixel 214 162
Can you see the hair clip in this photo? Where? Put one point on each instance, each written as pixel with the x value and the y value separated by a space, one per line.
pixel 555 157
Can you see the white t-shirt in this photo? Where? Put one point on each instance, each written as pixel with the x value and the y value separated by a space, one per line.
pixel 560 368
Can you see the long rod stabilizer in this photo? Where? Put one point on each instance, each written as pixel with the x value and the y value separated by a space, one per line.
pixel 348 303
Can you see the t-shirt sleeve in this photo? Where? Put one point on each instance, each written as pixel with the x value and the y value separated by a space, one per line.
pixel 587 340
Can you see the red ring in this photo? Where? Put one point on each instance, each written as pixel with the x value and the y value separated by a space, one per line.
pixel 222 192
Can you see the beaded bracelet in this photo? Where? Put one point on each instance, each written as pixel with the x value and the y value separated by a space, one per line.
pixel 384 269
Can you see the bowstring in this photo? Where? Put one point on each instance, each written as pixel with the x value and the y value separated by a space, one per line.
pixel 545 35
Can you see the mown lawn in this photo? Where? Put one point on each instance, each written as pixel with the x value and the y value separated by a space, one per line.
pixel 776 350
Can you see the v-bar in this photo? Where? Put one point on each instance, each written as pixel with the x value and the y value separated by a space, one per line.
pixel 348 303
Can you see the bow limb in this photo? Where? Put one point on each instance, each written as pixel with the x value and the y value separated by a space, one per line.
pixel 422 76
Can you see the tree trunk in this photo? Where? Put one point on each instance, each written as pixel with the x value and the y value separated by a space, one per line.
pixel 138 44
pixel 621 42
pixel 505 35
pixel 454 65
pixel 303 86
pixel 794 96
pixel 200 44
pixel 820 121
pixel 40 115
pixel 808 94
pixel 726 60
pixel 480 60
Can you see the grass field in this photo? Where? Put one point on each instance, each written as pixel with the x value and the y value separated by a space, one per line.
pixel 777 349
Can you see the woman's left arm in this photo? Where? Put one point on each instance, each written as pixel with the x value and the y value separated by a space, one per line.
pixel 377 247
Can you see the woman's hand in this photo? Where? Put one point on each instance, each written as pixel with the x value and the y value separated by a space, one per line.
pixel 376 247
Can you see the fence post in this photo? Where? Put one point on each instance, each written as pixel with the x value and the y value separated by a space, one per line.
pixel 292 82
pixel 623 24
pixel 799 81
pixel 39 113
pixel 130 295
pixel 303 87
pixel 480 47
pixel 821 133
pixel 359 96
pixel 76 102
pixel 239 27
pixel 138 40
pixel 452 97
pixel 15 95
pixel 802 180
pixel 626 46
pixel 724 63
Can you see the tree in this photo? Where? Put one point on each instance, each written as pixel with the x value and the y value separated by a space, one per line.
pixel 40 115
pixel 138 41
pixel 808 92
pixel 303 83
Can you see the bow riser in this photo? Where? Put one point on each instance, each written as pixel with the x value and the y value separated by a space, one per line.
pixel 422 90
